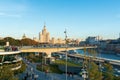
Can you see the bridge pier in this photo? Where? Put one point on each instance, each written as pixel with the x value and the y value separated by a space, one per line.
pixel 48 54
pixel 49 59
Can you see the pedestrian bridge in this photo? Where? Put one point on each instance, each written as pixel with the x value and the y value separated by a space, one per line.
pixel 48 51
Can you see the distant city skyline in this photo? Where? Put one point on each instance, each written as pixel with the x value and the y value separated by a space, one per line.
pixel 81 18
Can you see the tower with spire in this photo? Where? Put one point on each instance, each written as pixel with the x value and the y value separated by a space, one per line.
pixel 44 36
pixel 24 36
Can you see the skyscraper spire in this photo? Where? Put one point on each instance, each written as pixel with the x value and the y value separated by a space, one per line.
pixel 44 25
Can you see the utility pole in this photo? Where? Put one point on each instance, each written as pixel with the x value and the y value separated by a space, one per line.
pixel 66 51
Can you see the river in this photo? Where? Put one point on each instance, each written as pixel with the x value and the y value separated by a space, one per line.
pixel 102 55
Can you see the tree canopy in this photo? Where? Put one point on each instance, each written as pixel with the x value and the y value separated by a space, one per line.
pixel 94 73
pixel 6 74
pixel 17 42
pixel 109 72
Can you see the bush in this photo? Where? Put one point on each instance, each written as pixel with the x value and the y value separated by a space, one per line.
pixel 21 70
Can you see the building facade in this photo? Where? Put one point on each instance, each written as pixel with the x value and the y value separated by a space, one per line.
pixel 57 41
pixel 92 40
pixel 44 36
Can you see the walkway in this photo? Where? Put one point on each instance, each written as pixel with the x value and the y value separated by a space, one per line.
pixel 51 49
pixel 31 69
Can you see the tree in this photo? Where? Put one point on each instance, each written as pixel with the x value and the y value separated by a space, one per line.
pixel 31 55
pixel 2 42
pixel 28 42
pixel 94 73
pixel 17 42
pixel 11 40
pixel 108 72
pixel 117 78
pixel 6 74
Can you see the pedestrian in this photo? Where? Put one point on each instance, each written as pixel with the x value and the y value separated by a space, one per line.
pixel 32 76
pixel 25 78
pixel 72 74
pixel 45 73
pixel 27 74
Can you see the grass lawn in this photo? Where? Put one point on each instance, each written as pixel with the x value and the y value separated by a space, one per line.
pixel 63 62
pixel 33 58
pixel 54 67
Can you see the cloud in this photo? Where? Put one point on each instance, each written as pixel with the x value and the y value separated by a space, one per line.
pixel 10 15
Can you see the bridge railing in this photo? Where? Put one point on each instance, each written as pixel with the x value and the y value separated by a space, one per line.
pixel 26 47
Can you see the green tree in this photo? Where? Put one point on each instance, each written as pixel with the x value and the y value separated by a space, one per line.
pixel 2 42
pixel 17 42
pixel 31 55
pixel 94 73
pixel 93 69
pixel 11 40
pixel 6 74
pixel 28 42
pixel 109 72
pixel 117 78
pixel 21 70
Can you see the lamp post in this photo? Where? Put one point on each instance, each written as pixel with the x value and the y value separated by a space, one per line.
pixel 99 54
pixel 42 61
pixel 66 51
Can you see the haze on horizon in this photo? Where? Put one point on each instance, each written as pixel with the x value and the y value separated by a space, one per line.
pixel 82 18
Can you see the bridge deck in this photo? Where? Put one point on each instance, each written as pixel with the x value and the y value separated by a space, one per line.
pixel 50 50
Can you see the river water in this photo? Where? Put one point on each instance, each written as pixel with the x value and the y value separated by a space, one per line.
pixel 102 55
pixel 111 56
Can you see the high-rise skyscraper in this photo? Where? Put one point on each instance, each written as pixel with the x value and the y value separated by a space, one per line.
pixel 44 36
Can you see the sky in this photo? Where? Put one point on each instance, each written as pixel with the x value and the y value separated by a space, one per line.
pixel 81 18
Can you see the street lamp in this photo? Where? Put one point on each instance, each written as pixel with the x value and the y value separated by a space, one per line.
pixel 100 65
pixel 42 61
pixel 66 51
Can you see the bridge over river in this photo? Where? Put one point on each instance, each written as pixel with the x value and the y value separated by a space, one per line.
pixel 49 50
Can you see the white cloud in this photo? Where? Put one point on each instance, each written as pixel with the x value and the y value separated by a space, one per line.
pixel 9 15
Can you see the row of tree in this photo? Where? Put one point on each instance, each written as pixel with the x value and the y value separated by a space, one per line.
pixel 102 71
pixel 17 42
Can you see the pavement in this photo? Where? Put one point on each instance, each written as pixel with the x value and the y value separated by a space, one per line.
pixel 33 74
